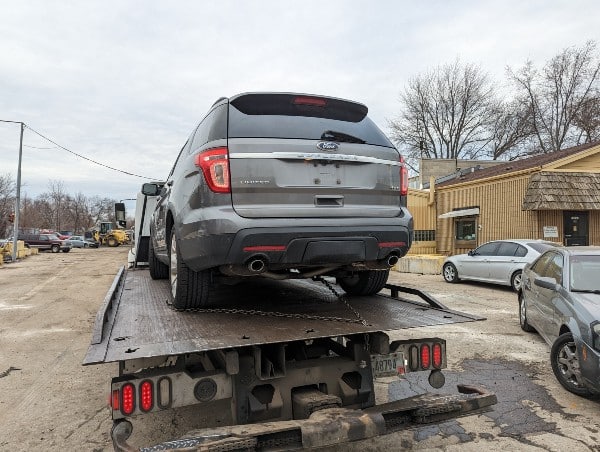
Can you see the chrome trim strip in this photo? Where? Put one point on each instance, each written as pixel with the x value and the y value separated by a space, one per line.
pixel 312 156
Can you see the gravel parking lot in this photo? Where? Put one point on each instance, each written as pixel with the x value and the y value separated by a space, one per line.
pixel 49 401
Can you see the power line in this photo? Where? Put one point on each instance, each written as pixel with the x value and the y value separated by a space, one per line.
pixel 86 158
pixel 37 147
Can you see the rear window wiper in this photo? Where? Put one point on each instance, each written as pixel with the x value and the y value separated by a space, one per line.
pixel 341 137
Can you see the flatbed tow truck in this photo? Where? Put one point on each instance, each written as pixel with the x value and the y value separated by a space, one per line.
pixel 293 362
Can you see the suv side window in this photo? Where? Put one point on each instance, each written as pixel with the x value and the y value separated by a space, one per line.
pixel 541 263
pixel 555 268
pixel 212 127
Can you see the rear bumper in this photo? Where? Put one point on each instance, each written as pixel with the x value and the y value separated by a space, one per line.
pixel 327 427
pixel 286 247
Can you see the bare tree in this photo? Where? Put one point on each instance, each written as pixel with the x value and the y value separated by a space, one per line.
pixel 587 119
pixel 79 215
pixel 101 209
pixel 58 202
pixel 510 131
pixel 558 95
pixel 447 113
pixel 7 203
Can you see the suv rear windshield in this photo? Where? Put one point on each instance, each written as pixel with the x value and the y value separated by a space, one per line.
pixel 302 117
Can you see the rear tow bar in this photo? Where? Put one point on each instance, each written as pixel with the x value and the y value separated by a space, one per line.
pixel 325 427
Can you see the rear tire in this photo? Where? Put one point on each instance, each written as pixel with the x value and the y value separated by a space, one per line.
pixel 112 242
pixel 66 250
pixel 189 289
pixel 158 270
pixel 55 248
pixel 367 282
pixel 565 365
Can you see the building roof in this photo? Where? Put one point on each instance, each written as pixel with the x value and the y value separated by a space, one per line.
pixel 516 165
pixel 562 191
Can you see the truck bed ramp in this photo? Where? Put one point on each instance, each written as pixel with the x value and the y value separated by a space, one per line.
pixel 136 321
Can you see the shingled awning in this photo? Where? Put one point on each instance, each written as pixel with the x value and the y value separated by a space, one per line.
pixel 562 191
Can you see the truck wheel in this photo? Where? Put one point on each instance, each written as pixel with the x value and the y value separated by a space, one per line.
pixel 55 248
pixel 364 283
pixel 565 364
pixel 112 242
pixel 523 315
pixel 158 270
pixel 189 289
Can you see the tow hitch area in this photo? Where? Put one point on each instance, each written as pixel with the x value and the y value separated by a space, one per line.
pixel 327 426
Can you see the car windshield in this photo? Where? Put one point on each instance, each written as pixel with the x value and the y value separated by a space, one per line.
pixel 584 273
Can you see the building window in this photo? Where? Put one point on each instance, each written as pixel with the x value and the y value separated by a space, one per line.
pixel 424 235
pixel 465 229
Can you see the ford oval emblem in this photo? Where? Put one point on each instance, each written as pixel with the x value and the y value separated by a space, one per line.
pixel 327 146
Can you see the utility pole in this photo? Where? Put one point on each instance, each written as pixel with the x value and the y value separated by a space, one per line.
pixel 18 197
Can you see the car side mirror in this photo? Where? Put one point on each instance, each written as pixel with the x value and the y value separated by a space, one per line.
pixel 151 189
pixel 546 282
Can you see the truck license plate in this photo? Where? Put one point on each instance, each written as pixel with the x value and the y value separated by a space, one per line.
pixel 389 365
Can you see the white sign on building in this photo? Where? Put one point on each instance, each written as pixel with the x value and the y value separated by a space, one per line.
pixel 550 232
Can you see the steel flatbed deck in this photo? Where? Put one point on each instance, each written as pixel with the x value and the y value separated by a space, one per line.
pixel 135 320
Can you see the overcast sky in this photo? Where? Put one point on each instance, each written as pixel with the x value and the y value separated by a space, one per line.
pixel 125 82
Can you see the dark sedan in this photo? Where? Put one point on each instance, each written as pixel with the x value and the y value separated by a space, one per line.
pixel 560 299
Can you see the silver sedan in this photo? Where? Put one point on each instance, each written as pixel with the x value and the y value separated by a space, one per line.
pixel 498 262
pixel 560 299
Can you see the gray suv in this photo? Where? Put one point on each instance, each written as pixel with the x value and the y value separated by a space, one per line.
pixel 280 185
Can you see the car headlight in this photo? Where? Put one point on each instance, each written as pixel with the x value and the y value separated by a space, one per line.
pixel 596 335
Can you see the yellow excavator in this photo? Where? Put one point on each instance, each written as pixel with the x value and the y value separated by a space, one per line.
pixel 107 234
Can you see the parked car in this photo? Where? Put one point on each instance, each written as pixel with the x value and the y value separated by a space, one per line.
pixel 281 186
pixel 77 241
pixel 45 242
pixel 498 262
pixel 560 299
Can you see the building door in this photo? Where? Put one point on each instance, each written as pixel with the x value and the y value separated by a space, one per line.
pixel 576 228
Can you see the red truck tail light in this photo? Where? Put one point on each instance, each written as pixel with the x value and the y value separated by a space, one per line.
pixel 403 178
pixel 146 395
pixel 127 399
pixel 425 356
pixel 214 164
pixel 437 355
pixel 115 399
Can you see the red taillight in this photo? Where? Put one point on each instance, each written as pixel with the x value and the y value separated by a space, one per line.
pixel 403 178
pixel 425 356
pixel 264 248
pixel 391 244
pixel 437 355
pixel 146 395
pixel 114 400
pixel 214 164
pixel 127 399
pixel 306 100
